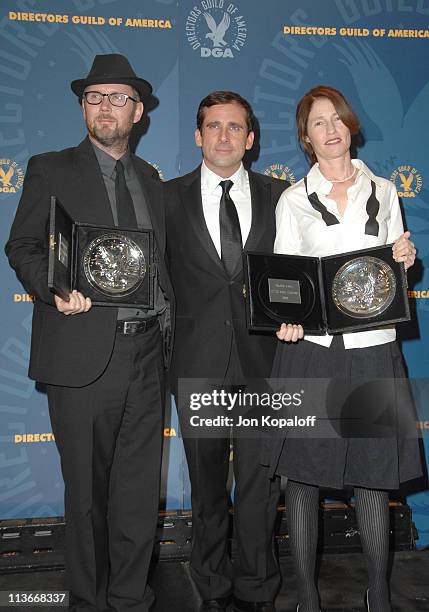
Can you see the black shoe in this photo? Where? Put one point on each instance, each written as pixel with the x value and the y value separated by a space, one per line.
pixel 253 606
pixel 215 605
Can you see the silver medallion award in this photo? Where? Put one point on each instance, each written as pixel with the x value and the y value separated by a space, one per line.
pixel 114 264
pixel 341 293
pixel 364 287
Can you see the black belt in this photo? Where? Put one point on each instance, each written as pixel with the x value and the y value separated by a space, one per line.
pixel 130 328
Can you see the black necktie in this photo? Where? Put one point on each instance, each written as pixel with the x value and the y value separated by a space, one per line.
pixel 230 233
pixel 124 202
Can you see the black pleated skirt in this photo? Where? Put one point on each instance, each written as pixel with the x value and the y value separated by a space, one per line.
pixel 349 460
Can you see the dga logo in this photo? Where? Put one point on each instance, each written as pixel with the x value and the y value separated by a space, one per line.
pixel 280 171
pixel 158 169
pixel 11 176
pixel 407 180
pixel 216 28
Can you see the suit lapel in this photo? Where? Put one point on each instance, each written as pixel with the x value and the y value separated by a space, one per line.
pixel 152 191
pixel 91 204
pixel 260 194
pixel 260 198
pixel 190 195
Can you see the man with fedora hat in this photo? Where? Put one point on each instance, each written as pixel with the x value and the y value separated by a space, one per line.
pixel 103 367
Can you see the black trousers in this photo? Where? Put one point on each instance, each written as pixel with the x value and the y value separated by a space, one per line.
pixel 109 436
pixel 254 575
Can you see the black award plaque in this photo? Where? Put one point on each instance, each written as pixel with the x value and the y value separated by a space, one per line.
pixel 340 293
pixel 111 265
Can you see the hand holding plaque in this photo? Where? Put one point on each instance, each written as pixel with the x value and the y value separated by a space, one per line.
pixel 110 265
pixel 346 292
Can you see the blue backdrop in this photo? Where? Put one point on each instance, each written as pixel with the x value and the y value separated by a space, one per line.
pixel 271 52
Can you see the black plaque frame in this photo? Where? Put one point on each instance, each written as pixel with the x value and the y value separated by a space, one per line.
pixel 67 241
pixel 316 312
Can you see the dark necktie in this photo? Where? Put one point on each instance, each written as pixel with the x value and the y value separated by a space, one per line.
pixel 124 202
pixel 230 233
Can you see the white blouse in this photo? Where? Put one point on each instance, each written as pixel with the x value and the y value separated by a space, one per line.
pixel 301 230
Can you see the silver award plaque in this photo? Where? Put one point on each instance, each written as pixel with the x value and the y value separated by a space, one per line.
pixel 364 287
pixel 114 264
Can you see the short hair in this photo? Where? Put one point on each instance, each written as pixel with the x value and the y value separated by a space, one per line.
pixel 225 97
pixel 342 106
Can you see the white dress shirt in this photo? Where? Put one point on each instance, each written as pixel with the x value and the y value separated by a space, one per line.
pixel 302 231
pixel 211 193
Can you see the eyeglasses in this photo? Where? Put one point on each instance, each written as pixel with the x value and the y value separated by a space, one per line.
pixel 115 99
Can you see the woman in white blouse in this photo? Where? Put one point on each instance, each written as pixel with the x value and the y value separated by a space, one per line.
pixel 340 206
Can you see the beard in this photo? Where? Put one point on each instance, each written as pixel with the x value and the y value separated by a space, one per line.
pixel 110 134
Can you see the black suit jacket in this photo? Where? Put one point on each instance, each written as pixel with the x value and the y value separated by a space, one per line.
pixel 210 305
pixel 71 350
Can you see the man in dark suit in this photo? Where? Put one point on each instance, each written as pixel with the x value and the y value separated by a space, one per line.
pixel 103 366
pixel 211 214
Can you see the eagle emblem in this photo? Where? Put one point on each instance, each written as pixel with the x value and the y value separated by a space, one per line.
pixel 406 182
pixel 217 30
pixel 5 177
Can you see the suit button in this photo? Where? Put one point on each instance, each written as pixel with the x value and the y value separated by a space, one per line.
pixel 227 322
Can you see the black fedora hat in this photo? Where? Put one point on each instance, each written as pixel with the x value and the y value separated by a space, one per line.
pixel 112 68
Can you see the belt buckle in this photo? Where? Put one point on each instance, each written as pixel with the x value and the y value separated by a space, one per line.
pixel 131 327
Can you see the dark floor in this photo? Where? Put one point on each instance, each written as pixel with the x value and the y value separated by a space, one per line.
pixel 342 584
